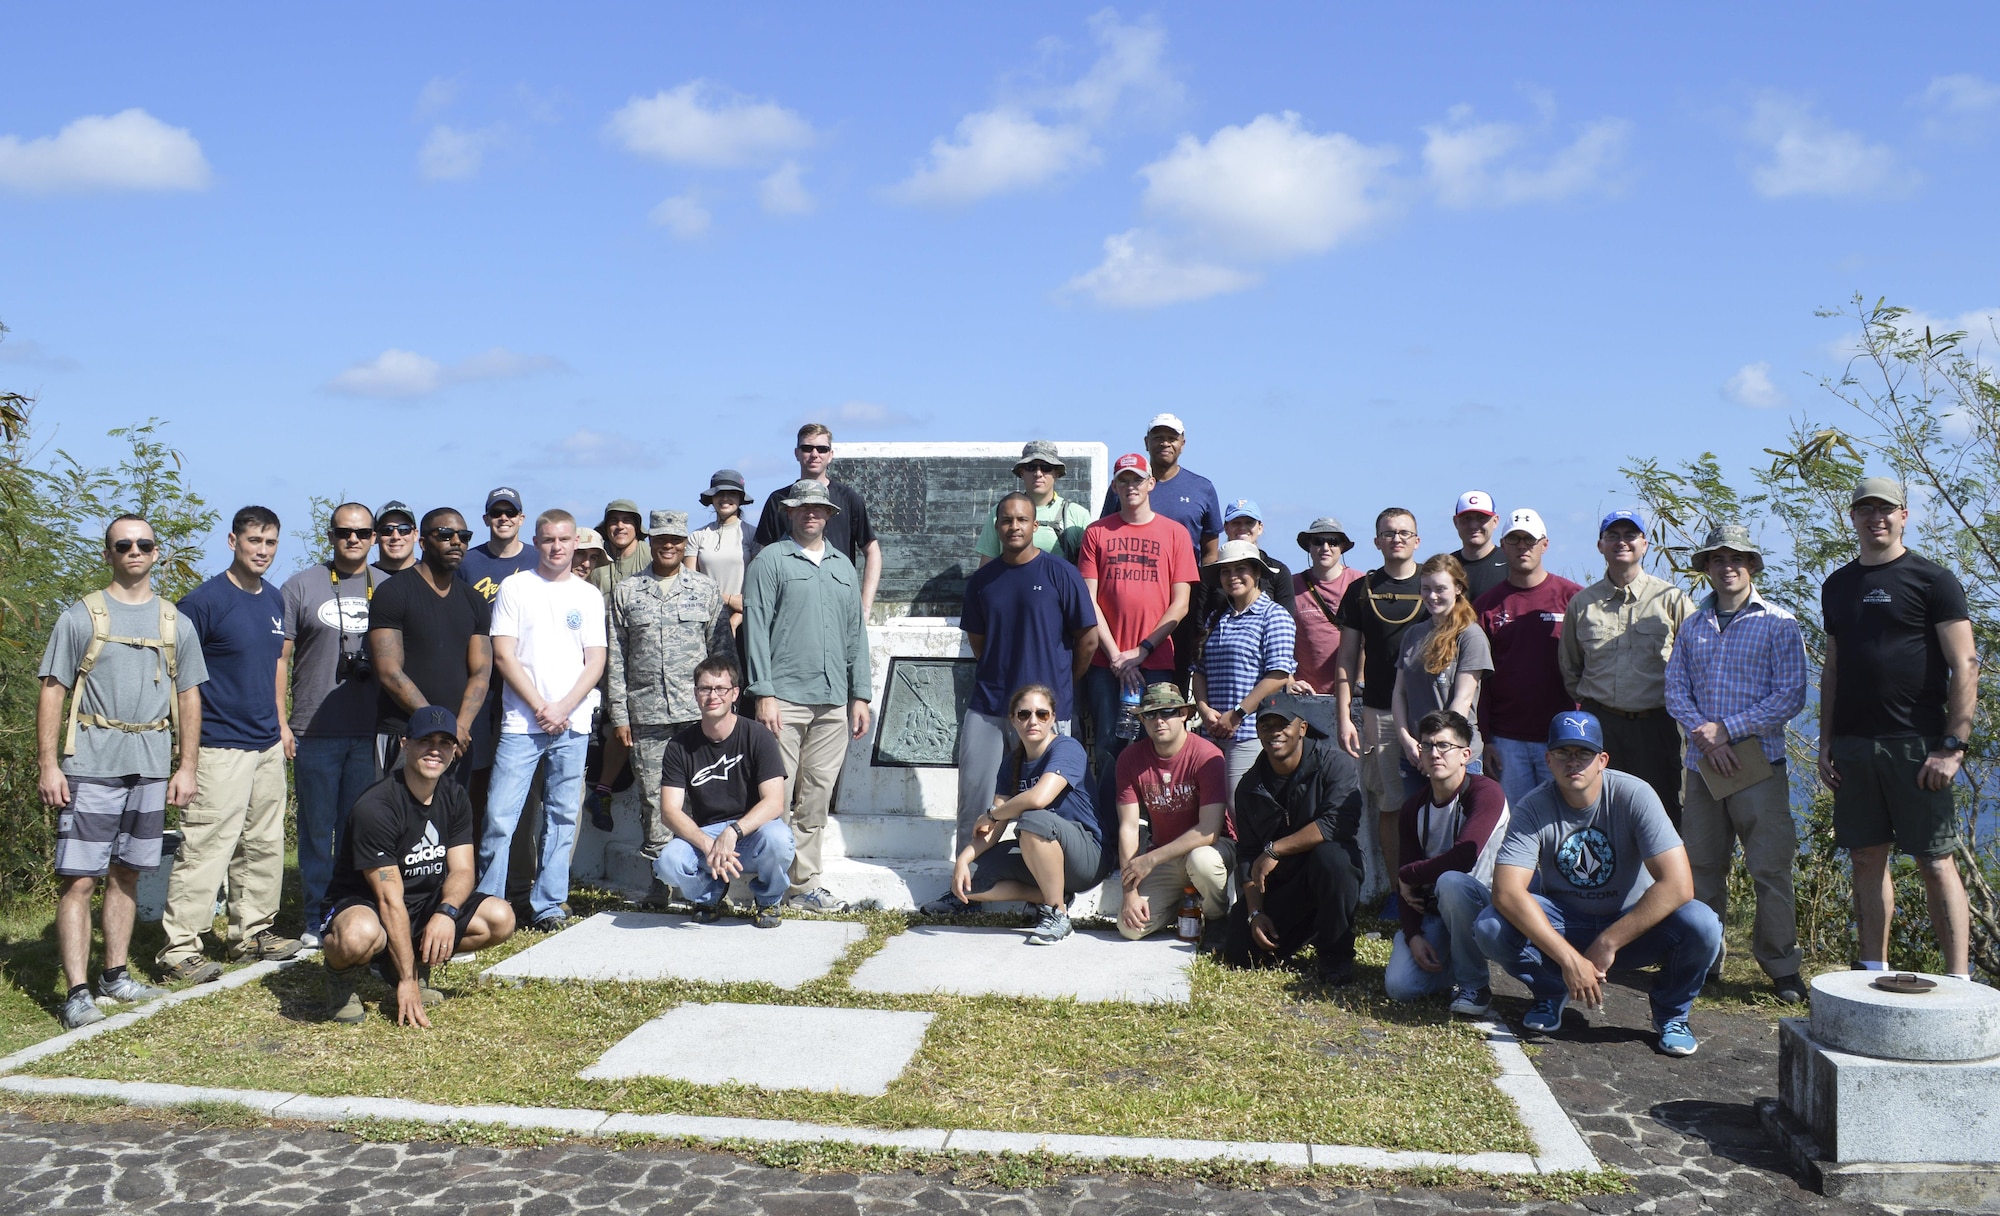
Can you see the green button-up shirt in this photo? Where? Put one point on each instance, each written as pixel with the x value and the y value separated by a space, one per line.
pixel 660 629
pixel 1615 641
pixel 803 639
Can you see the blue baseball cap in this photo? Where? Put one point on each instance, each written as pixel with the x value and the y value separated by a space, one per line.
pixel 1622 517
pixel 1242 507
pixel 1576 728
pixel 431 720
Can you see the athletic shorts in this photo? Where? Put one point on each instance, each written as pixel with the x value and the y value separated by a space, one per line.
pixel 1082 855
pixel 1879 800
pixel 419 916
pixel 111 819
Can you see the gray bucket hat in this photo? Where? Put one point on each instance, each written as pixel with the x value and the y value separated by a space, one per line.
pixel 669 523
pixel 806 492
pixel 725 479
pixel 1325 525
pixel 1726 536
pixel 628 507
pixel 1042 450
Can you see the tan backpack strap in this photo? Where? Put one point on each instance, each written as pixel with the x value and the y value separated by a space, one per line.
pixel 168 617
pixel 100 633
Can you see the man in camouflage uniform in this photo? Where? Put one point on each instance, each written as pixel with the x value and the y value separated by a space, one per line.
pixel 664 621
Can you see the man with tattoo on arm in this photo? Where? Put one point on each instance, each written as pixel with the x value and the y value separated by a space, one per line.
pixel 427 635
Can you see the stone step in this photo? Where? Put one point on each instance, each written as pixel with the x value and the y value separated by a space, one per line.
pixel 913 836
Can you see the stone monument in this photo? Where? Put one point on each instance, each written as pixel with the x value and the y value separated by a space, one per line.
pixel 1890 1093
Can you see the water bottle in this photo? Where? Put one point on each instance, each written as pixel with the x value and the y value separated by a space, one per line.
pixel 1130 689
pixel 1188 922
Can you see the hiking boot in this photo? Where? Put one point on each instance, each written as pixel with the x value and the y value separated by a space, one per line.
pixel 1789 989
pixel 949 906
pixel 80 1011
pixel 265 947
pixel 128 991
pixel 1339 976
pixel 707 914
pixel 342 1005
pixel 767 917
pixel 191 969
pixel 1546 1015
pixel 1467 1001
pixel 554 922
pixel 1677 1039
pixel 597 804
pixel 658 895
pixel 819 899
pixel 1052 927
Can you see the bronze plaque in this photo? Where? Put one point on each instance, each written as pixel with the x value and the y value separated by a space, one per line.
pixel 923 701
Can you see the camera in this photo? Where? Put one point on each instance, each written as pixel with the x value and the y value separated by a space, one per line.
pixel 354 665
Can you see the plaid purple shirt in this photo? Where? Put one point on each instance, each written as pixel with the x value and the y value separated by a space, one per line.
pixel 1750 677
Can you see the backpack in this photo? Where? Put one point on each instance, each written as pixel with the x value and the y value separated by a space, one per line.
pixel 100 636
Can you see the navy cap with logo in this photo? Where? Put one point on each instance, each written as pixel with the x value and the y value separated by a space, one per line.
pixel 1622 517
pixel 1576 728
pixel 431 720
pixel 500 494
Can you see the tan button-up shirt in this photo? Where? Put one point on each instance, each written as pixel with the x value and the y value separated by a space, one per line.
pixel 1615 641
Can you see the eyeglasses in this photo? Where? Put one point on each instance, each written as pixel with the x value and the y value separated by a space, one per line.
pixel 1400 534
pixel 444 535
pixel 126 545
pixel 1437 747
pixel 351 533
pixel 711 692
pixel 1038 715
pixel 507 513
pixel 819 449
pixel 395 529
pixel 1624 538
pixel 1875 508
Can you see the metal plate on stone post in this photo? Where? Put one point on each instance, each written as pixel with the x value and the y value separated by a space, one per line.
pixel 923 701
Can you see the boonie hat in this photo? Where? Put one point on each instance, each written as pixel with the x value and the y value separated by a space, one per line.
pixel 1576 728
pixel 1626 517
pixel 500 494
pixel 1325 525
pixel 1042 450
pixel 1526 520
pixel 431 720
pixel 1163 695
pixel 1888 489
pixel 1231 551
pixel 395 506
pixel 588 539
pixel 628 507
pixel 725 479
pixel 1132 462
pixel 669 523
pixel 1171 421
pixel 1242 508
pixel 806 492
pixel 1474 502
pixel 1734 537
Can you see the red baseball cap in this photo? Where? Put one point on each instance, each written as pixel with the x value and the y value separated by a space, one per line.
pixel 1132 462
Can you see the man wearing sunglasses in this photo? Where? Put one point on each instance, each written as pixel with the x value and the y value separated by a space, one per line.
pixel 1059 523
pixel 334 694
pixel 429 634
pixel 848 530
pixel 395 537
pixel 485 567
pixel 110 766
pixel 1174 827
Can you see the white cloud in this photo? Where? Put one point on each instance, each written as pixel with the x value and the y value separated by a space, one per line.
pixel 28 353
pixel 1808 156
pixel 588 449
pixel 1136 274
pixel 683 215
pixel 402 373
pixel 784 191
pixel 129 150
pixel 696 125
pixel 993 152
pixel 1130 72
pixel 451 154
pixel 866 416
pixel 1962 94
pixel 1465 161
pixel 437 95
pixel 1751 386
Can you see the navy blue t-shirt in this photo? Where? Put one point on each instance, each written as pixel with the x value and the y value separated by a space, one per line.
pixel 242 638
pixel 1027 614
pixel 483 572
pixel 1189 500
pixel 1066 758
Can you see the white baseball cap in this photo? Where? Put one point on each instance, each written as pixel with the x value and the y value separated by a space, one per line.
pixel 1526 520
pixel 1474 501
pixel 1171 421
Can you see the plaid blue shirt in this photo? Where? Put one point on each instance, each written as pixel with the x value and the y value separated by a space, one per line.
pixel 1242 647
pixel 1750 677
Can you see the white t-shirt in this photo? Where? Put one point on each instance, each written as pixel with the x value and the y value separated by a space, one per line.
pixel 552 624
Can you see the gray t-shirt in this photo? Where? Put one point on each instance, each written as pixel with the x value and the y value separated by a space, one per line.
pixel 1593 860
pixel 314 624
pixel 1424 693
pixel 128 684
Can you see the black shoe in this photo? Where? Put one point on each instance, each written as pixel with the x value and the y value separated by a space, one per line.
pixel 947 905
pixel 1790 989
pixel 707 914
pixel 1337 977
pixel 598 803
pixel 554 922
pixel 767 917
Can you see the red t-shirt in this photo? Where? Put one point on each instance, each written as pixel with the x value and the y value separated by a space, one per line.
pixel 1526 688
pixel 1171 792
pixel 1136 567
pixel 1316 650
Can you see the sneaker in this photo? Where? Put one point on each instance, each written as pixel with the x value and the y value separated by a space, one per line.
pixel 191 969
pixel 342 1005
pixel 819 899
pixel 767 917
pixel 554 922
pixel 658 895
pixel 265 947
pixel 1546 1015
pixel 707 914
pixel 1467 1001
pixel 597 803
pixel 1339 976
pixel 947 906
pixel 127 990
pixel 1790 989
pixel 1676 1039
pixel 308 940
pixel 429 995
pixel 1051 928
pixel 80 1011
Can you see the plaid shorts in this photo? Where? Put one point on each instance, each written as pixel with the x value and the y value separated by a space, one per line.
pixel 111 819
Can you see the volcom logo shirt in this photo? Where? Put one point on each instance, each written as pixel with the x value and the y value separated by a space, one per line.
pixel 1593 860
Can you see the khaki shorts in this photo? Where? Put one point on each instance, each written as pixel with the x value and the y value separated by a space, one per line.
pixel 1879 800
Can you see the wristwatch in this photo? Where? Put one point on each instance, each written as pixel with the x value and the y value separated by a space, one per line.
pixel 1952 743
pixel 736 827
pixel 1271 849
pixel 450 910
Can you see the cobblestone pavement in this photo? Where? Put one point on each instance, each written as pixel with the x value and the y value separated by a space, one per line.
pixel 1684 1130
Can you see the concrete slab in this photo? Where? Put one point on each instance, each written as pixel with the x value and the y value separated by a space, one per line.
pixel 715 1127
pixel 1092 965
pixel 146 1093
pixel 317 1109
pixel 851 1051
pixel 658 946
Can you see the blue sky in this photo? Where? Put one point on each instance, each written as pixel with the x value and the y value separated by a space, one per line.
pixel 1370 256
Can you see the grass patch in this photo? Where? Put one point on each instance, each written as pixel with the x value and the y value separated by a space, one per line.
pixel 1254 1056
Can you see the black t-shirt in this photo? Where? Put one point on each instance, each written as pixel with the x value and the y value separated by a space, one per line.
pixel 1380 608
pixel 1483 574
pixel 721 779
pixel 1891 674
pixel 436 631
pixel 849 531
pixel 389 827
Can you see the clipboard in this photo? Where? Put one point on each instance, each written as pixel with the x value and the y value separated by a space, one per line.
pixel 1751 767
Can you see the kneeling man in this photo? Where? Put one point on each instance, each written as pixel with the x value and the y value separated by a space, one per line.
pixel 1179 787
pixel 1616 888
pixel 722 797
pixel 1450 831
pixel 402 879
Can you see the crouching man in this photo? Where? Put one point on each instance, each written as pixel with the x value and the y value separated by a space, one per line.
pixel 1616 888
pixel 402 880
pixel 1179 788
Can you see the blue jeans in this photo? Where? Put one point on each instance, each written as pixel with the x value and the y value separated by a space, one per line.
pixel 1100 697
pixel 514 761
pixel 1448 928
pixel 1684 944
pixel 766 855
pixel 1523 766
pixel 328 773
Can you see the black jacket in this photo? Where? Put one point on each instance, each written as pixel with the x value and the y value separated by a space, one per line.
pixel 1325 789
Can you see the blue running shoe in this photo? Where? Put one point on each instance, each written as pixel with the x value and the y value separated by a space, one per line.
pixel 1676 1039
pixel 1546 1015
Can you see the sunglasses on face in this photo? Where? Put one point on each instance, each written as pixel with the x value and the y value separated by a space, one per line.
pixel 127 544
pixel 445 535
pixel 351 533
pixel 1038 467
pixel 1155 715
pixel 503 514
pixel 820 449
pixel 1035 715
pixel 395 529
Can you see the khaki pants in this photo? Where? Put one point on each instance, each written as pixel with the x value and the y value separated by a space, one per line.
pixel 649 744
pixel 236 827
pixel 1205 868
pixel 1761 817
pixel 1381 789
pixel 813 741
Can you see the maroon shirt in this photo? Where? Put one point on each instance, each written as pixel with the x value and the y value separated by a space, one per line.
pixel 1526 687
pixel 1484 805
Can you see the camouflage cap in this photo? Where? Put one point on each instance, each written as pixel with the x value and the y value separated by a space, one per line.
pixel 1163 695
pixel 588 539
pixel 806 492
pixel 1734 537
pixel 669 523
pixel 1042 450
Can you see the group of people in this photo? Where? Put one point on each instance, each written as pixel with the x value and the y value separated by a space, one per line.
pixel 1556 776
